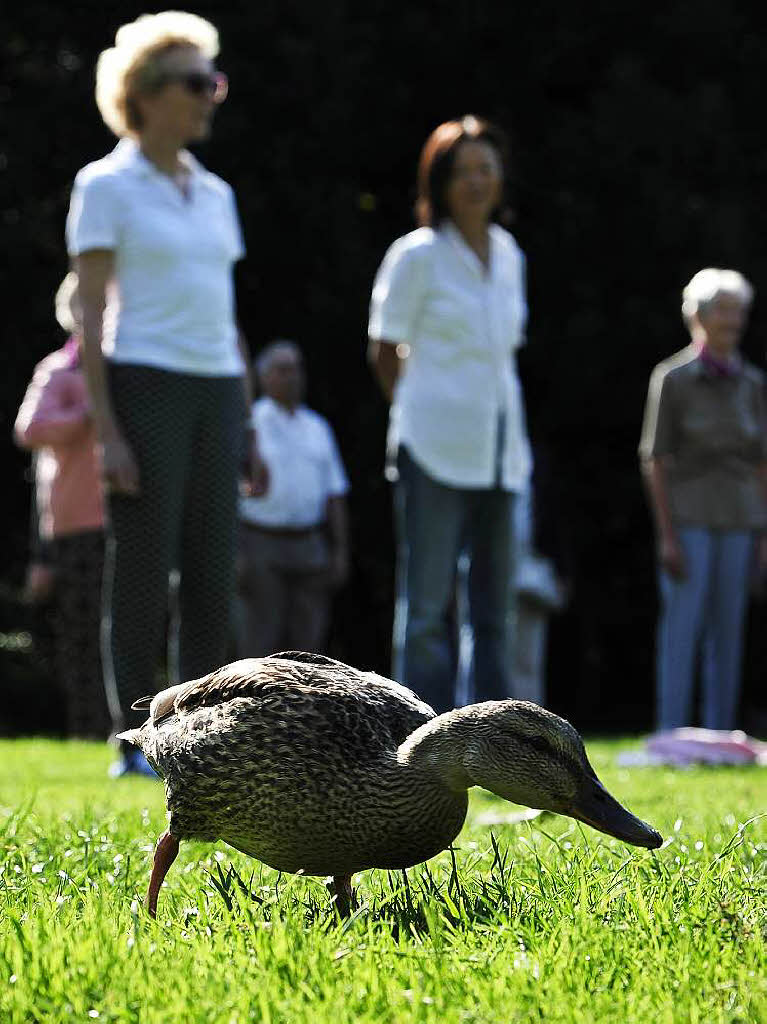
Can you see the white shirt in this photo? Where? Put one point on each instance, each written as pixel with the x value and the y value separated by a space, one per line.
pixel 462 324
pixel 173 304
pixel 305 468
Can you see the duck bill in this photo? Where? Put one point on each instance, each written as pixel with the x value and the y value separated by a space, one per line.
pixel 597 808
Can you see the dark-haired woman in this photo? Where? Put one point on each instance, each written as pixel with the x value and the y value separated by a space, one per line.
pixel 447 313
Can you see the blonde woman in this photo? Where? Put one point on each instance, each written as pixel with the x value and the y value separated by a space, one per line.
pixel 154 237
pixel 704 458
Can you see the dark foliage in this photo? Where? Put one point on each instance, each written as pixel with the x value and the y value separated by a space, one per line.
pixel 638 159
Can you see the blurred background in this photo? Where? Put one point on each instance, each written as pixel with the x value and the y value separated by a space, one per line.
pixel 638 158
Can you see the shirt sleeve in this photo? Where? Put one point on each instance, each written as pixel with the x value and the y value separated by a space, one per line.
pixel 658 434
pixel 47 415
pixel 521 338
pixel 398 294
pixel 761 413
pixel 237 236
pixel 338 483
pixel 92 219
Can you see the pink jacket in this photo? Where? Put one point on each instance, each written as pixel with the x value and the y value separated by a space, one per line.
pixel 54 420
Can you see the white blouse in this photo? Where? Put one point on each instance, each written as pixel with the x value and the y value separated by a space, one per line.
pixel 458 405
pixel 172 305
pixel 305 467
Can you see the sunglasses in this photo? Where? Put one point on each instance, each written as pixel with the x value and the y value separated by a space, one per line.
pixel 213 84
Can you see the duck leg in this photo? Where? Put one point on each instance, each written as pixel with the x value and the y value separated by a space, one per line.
pixel 164 855
pixel 341 890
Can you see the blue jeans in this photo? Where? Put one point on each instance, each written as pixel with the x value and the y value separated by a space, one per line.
pixel 435 522
pixel 703 611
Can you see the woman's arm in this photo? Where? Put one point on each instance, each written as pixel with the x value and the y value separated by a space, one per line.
pixel 94 271
pixel 399 292
pixel 670 555
pixel 256 470
pixel 247 382
pixel 658 443
pixel 386 360
pixel 46 416
pixel 761 539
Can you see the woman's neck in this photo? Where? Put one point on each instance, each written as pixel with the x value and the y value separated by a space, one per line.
pixel 720 350
pixel 476 234
pixel 162 152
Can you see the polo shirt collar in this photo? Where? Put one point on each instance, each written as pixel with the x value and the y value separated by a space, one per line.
pixel 128 153
pixel 705 367
pixel 279 410
pixel 448 229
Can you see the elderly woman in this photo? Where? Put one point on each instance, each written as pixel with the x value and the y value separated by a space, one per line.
pixel 154 237
pixel 449 308
pixel 704 459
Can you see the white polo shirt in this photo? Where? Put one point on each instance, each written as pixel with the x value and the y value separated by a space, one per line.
pixel 172 302
pixel 305 467
pixel 463 325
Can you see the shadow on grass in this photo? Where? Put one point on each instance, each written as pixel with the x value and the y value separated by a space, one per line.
pixel 411 903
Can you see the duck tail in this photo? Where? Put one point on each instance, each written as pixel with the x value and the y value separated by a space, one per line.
pixel 131 736
pixel 142 704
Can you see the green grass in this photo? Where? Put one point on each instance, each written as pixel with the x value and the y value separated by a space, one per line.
pixel 541 921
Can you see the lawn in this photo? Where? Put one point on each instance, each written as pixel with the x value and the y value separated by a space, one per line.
pixel 542 920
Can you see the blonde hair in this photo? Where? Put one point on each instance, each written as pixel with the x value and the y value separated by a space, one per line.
pixel 120 68
pixel 67 303
pixel 706 287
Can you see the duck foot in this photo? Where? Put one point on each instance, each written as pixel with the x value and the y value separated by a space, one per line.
pixel 164 855
pixel 343 895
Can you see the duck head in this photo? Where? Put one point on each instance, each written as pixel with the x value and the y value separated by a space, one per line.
pixel 530 756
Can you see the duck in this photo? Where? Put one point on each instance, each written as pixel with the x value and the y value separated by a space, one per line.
pixel 312 766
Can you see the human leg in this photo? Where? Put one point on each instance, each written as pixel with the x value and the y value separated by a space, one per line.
pixel 79 567
pixel 490 591
pixel 80 559
pixel 309 614
pixel 210 524
pixel 726 610
pixel 154 416
pixel 429 536
pixel 679 628
pixel 310 595
pixel 529 665
pixel 262 592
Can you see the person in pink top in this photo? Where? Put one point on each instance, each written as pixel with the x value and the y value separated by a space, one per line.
pixel 54 422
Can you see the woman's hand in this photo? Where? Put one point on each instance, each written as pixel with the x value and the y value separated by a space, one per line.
pixel 119 466
pixel 671 556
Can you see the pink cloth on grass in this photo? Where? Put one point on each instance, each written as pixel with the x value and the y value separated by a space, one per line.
pixel 706 746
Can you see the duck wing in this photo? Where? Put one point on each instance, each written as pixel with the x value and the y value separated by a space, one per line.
pixel 305 687
pixel 225 682
pixel 405 710
pixel 309 658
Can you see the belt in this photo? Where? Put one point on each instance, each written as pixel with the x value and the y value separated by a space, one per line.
pixel 284 531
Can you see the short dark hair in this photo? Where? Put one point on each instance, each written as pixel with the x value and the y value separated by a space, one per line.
pixel 435 166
